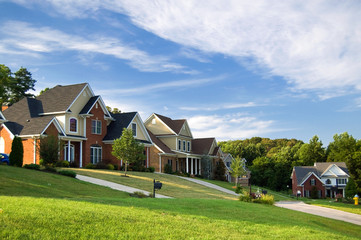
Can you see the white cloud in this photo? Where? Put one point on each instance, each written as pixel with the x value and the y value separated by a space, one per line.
pixel 314 45
pixel 23 38
pixel 216 107
pixel 185 83
pixel 230 126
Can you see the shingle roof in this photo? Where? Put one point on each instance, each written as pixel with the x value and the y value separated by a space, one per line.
pixel 59 98
pixel 115 128
pixel 322 166
pixel 175 125
pixel 86 109
pixel 159 143
pixel 301 172
pixel 202 145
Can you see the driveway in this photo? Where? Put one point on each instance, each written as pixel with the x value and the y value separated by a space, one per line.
pixel 321 211
pixel 115 186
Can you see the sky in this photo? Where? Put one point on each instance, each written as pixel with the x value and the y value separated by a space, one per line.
pixel 233 69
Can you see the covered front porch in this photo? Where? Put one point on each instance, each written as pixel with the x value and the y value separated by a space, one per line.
pixel 72 150
pixel 190 164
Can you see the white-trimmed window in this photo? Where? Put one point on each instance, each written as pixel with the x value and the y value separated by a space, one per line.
pixel 96 127
pixel 340 181
pixel 66 156
pixel 73 125
pixel 134 129
pixel 313 182
pixel 154 121
pixel 95 154
pixel 184 145
pixel 179 145
pixel 188 146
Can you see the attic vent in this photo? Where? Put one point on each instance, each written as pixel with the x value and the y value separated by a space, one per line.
pixel 27 120
pixel 154 121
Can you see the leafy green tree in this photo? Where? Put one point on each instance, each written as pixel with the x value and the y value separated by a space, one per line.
pixel 312 152
pixel 126 148
pixel 238 168
pixel 351 188
pixel 48 149
pixel 342 148
pixel 14 86
pixel 206 167
pixel 43 91
pixel 220 171
pixel 17 152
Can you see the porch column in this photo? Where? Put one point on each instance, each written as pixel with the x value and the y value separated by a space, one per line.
pixel 147 157
pixel 34 150
pixel 187 170
pixel 81 154
pixel 199 164
pixel 121 163
pixel 160 163
pixel 68 150
pixel 196 166
pixel 192 166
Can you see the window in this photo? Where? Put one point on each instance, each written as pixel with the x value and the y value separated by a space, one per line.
pixel 73 126
pixel 179 145
pixel 328 181
pixel 307 193
pixel 95 154
pixel 66 156
pixel 96 127
pixel 154 121
pixel 134 129
pixel 313 182
pixel 188 146
pixel 170 161
pixel 341 181
pixel 184 145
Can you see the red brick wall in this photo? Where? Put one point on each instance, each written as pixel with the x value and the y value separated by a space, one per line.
pixel 7 139
pixel 308 187
pixel 154 158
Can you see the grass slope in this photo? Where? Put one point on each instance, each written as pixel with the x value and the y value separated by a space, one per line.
pixel 102 213
pixel 173 186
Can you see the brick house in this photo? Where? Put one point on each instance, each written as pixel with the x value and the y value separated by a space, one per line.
pixel 329 178
pixel 77 116
pixel 175 145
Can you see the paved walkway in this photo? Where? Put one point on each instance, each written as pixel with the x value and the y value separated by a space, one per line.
pixel 321 211
pixel 210 185
pixel 115 186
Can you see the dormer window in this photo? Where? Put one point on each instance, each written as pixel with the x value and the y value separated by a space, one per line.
pixel 73 125
pixel 134 129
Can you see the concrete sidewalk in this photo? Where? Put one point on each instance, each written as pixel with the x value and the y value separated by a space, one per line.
pixel 115 186
pixel 321 211
pixel 210 185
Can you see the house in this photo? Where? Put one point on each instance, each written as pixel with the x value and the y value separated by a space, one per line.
pixel 174 145
pixel 329 178
pixel 242 180
pixel 75 115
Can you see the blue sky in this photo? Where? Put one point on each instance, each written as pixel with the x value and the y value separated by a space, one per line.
pixel 233 69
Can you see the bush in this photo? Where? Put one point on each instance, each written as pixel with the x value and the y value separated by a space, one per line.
pixel 245 197
pixel 73 164
pixel 90 166
pixel 101 165
pixel 32 166
pixel 49 168
pixel 110 166
pixel 68 173
pixel 17 152
pixel 238 189
pixel 151 169
pixel 62 163
pixel 115 166
pixel 168 168
pixel 48 149
pixel 314 192
pixel 265 199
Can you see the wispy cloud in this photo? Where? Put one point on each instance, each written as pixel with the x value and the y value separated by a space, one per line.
pixel 216 107
pixel 179 84
pixel 23 38
pixel 231 126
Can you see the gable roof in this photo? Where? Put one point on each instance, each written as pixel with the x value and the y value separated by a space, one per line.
pixel 322 167
pixel 89 105
pixel 302 172
pixel 174 125
pixel 159 144
pixel 202 146
pixel 115 128
pixel 68 94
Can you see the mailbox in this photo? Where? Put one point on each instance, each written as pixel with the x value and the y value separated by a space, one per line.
pixel 157 185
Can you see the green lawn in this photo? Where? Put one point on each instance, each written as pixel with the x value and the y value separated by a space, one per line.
pixel 173 186
pixel 33 209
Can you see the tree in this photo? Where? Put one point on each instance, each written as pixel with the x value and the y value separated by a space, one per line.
pixel 342 148
pixel 49 150
pixel 220 171
pixel 206 166
pixel 351 189
pixel 126 148
pixel 312 152
pixel 17 152
pixel 114 110
pixel 43 91
pixel 14 86
pixel 238 168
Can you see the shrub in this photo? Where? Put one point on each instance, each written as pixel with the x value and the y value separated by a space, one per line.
pixel 314 192
pixel 151 169
pixel 32 166
pixel 245 197
pixel 168 168
pixel 73 164
pixel 110 166
pixel 138 194
pixel 101 165
pixel 238 189
pixel 68 173
pixel 339 197
pixel 351 189
pixel 265 199
pixel 49 168
pixel 48 149
pixel 115 166
pixel 62 163
pixel 17 152
pixel 90 166
pixel 137 167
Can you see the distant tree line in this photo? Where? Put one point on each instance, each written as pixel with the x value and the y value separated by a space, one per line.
pixel 271 161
